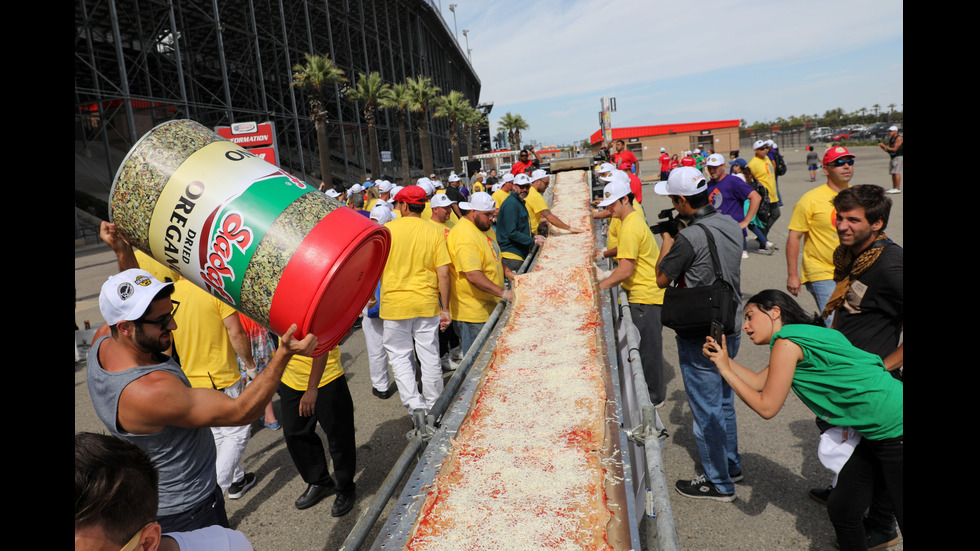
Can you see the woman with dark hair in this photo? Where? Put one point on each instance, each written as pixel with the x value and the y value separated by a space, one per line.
pixel 842 384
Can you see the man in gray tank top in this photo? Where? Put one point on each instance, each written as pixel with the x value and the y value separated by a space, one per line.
pixel 141 394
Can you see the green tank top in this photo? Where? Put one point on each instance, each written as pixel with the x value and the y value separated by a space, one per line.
pixel 844 385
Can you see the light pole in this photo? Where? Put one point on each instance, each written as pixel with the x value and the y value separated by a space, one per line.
pixel 452 8
pixel 466 33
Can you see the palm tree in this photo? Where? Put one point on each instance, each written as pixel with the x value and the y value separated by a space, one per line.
pixel 454 106
pixel 316 77
pixel 514 124
pixel 424 96
pixel 472 121
pixel 398 98
pixel 369 91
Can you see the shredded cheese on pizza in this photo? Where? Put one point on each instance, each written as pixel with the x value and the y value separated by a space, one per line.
pixel 525 469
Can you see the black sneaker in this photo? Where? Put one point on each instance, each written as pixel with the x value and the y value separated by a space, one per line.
pixel 238 489
pixel 820 495
pixel 882 540
pixel 737 476
pixel 700 488
pixel 383 394
pixel 342 505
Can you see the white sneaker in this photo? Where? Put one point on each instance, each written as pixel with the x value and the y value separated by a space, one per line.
pixel 448 364
pixel 745 254
pixel 893 190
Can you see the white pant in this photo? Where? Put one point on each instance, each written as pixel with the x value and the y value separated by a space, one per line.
pixel 373 329
pixel 401 339
pixel 230 444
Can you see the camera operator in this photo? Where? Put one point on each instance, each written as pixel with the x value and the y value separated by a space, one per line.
pixel 687 256
pixel 523 164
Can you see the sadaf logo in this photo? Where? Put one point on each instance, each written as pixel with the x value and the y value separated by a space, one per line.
pixel 232 234
pixel 244 127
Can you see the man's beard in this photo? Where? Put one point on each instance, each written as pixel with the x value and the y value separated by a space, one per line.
pixel 149 344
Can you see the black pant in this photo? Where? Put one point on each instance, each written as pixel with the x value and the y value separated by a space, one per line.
pixel 875 464
pixel 334 409
pixel 646 318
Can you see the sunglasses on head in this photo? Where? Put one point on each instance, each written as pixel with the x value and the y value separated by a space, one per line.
pixel 842 162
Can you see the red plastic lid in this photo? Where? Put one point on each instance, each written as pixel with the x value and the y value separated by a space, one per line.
pixel 330 277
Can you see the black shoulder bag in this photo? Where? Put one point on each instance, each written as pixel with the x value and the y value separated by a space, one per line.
pixel 690 310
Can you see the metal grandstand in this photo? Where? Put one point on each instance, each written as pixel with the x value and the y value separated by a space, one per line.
pixel 142 62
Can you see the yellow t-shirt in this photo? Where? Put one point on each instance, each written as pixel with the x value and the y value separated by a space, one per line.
pixel 477 187
pixel 201 340
pixel 612 238
pixel 473 250
pixel 297 373
pixel 815 216
pixel 764 172
pixel 409 284
pixel 156 268
pixel 535 205
pixel 499 196
pixel 636 242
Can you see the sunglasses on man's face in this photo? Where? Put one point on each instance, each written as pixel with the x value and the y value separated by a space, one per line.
pixel 841 162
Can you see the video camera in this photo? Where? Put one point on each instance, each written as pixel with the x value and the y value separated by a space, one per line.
pixel 669 223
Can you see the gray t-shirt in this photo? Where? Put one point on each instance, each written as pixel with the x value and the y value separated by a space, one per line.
pixel 185 458
pixel 689 259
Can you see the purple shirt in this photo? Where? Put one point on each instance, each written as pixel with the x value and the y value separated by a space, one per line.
pixel 728 196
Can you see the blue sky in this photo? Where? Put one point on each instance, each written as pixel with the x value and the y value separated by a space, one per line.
pixel 667 62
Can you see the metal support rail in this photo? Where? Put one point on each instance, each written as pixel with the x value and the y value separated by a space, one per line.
pixel 663 534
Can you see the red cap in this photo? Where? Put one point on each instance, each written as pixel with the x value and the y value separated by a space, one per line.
pixel 835 153
pixel 413 195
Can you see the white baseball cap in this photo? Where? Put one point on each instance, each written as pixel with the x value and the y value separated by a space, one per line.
pixel 427 185
pixel 539 174
pixel 440 200
pixel 617 188
pixel 127 295
pixel 716 159
pixel 605 167
pixel 662 150
pixel 384 186
pixel 332 193
pixel 508 178
pixel 481 201
pixel 382 213
pixel 356 188
pixel 893 129
pixel 685 180
pixel 453 177
pixel 522 180
pixel 495 188
pixel 759 144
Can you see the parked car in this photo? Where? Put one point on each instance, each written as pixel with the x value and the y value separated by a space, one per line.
pixel 878 130
pixel 841 135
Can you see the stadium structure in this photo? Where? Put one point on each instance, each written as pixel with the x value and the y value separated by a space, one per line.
pixel 139 63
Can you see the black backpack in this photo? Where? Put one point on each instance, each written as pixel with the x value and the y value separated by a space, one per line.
pixel 780 163
pixel 763 212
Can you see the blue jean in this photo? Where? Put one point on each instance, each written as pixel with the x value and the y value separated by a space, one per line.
pixel 712 403
pixel 821 291
pixel 467 334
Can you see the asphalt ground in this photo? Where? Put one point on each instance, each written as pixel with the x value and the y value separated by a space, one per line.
pixel 772 509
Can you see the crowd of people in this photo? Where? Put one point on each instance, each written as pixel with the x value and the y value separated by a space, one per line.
pixel 844 362
pixel 181 375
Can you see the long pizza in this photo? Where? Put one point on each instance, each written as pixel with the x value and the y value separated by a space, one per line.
pixel 528 468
